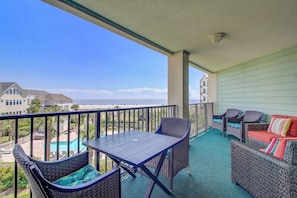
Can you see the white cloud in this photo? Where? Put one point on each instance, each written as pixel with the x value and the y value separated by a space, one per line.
pixel 133 93
pixel 194 94
pixel 82 91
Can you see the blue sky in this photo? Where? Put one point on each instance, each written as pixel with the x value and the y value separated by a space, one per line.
pixel 45 48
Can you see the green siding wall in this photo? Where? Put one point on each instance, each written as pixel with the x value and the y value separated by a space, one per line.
pixel 267 84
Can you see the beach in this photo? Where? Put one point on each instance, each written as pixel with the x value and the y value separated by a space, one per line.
pixel 113 106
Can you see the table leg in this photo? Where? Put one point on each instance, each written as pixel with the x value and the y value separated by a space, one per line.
pixel 154 177
pixel 123 167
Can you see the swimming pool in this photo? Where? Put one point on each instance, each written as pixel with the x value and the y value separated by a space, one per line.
pixel 63 145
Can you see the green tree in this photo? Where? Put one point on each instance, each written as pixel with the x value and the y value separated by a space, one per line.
pixel 35 106
pixel 75 107
pixel 7 128
pixel 54 108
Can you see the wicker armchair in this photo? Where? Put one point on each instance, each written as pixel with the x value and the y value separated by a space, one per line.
pixel 41 174
pixel 262 174
pixel 219 121
pixel 236 126
pixel 178 156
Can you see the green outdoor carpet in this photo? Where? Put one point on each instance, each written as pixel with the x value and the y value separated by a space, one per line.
pixel 210 173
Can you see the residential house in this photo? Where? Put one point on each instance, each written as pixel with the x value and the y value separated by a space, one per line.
pixel 61 100
pixel 49 99
pixel 13 99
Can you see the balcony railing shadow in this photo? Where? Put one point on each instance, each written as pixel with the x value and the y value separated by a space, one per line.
pixel 53 136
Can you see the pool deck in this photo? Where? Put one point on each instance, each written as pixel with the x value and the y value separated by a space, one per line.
pixel 38 147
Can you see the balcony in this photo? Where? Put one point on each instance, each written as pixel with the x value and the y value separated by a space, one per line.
pixel 53 136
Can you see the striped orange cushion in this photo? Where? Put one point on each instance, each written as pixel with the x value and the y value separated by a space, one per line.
pixel 277 147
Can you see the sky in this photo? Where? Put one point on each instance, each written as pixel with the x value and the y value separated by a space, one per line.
pixel 45 48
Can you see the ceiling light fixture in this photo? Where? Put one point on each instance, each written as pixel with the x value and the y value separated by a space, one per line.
pixel 216 37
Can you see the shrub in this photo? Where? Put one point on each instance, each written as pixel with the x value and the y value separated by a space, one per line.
pixel 7 178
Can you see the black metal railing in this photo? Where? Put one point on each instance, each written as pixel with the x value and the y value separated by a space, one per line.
pixel 53 136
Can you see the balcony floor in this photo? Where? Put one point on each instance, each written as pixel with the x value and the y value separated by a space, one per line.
pixel 210 173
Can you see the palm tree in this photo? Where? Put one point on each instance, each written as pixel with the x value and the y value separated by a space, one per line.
pixel 75 107
pixel 54 108
pixel 35 106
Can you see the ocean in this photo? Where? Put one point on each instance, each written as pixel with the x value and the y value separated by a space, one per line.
pixel 125 101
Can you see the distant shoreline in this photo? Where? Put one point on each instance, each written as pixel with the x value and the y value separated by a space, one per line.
pixel 87 107
pixel 107 103
pixel 119 101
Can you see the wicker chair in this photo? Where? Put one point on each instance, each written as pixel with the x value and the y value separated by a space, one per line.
pixel 219 121
pixel 41 174
pixel 236 126
pixel 178 156
pixel 263 175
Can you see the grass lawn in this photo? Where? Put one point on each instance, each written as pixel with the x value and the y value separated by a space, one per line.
pixel 4 139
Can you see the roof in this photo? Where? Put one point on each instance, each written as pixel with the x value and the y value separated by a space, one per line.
pixel 5 85
pixel 58 97
pixel 37 93
pixel 49 97
pixel 253 28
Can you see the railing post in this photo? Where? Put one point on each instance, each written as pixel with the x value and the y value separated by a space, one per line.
pixel 15 164
pixel 147 119
pixel 206 115
pixel 97 130
pixel 196 119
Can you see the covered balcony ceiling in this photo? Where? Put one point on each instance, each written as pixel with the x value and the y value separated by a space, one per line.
pixel 253 28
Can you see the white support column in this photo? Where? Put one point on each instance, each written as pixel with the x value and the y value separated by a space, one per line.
pixel 178 82
pixel 212 91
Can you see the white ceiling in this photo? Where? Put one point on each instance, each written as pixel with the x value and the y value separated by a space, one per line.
pixel 254 28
